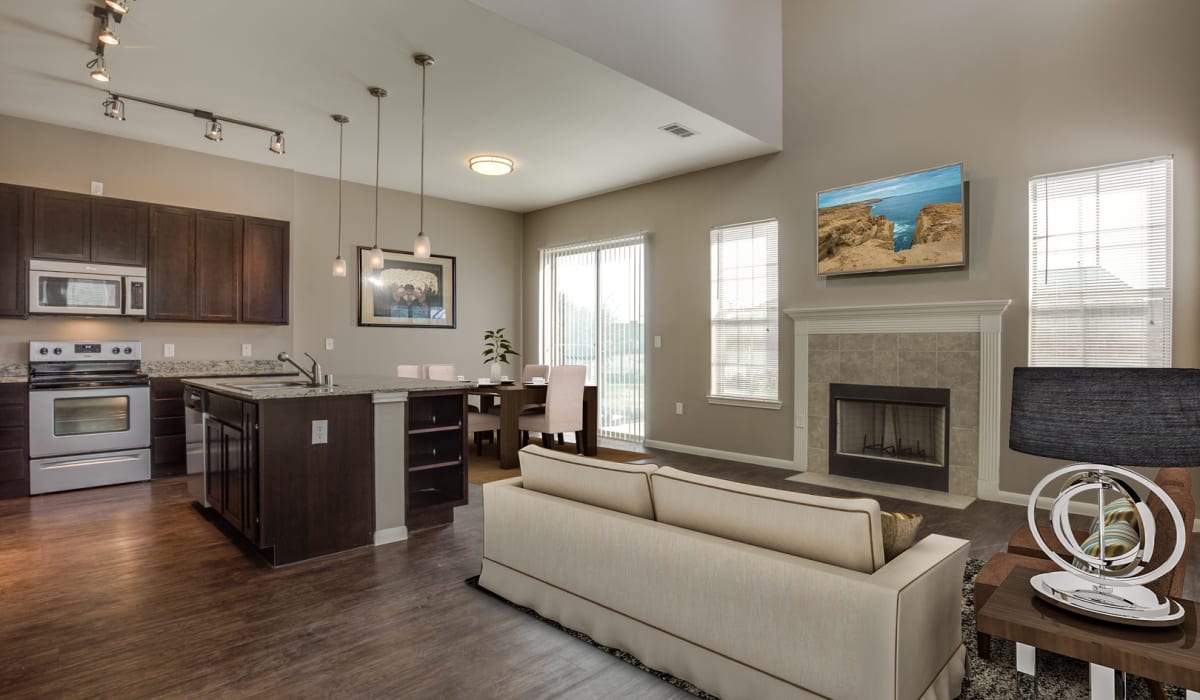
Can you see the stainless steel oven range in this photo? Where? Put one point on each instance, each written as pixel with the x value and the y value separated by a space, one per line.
pixel 89 415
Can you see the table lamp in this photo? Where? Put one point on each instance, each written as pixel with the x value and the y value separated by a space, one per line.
pixel 1103 417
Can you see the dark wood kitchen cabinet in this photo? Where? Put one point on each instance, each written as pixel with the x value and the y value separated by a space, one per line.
pixel 14 456
pixel 435 474
pixel 265 271
pixel 171 274
pixel 218 267
pixel 231 437
pixel 16 205
pixel 119 232
pixel 168 432
pixel 62 225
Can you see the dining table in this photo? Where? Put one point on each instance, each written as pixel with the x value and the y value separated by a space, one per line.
pixel 514 397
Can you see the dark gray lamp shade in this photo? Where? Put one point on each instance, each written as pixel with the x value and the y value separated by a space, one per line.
pixel 1107 415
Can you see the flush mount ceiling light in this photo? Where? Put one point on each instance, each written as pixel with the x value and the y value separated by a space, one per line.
pixel 421 246
pixel 376 259
pixel 99 72
pixel 212 132
pixel 491 165
pixel 339 263
pixel 276 143
pixel 114 108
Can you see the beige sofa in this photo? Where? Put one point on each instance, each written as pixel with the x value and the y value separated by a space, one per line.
pixel 747 592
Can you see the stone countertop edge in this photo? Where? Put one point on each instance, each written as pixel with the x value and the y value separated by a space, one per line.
pixel 14 372
pixel 214 368
pixel 344 385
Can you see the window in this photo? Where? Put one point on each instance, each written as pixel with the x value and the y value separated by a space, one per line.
pixel 745 314
pixel 1100 266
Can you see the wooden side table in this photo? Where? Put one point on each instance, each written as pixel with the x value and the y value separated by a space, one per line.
pixel 1166 654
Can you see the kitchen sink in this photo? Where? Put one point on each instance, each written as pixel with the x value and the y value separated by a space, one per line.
pixel 258 386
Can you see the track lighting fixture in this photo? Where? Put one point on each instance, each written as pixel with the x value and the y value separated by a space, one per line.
pixel 118 6
pixel 107 35
pixel 421 246
pixel 339 263
pixel 114 108
pixel 376 258
pixel 99 72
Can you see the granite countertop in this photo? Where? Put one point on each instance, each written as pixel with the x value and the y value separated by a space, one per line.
pixel 344 385
pixel 214 368
pixel 14 372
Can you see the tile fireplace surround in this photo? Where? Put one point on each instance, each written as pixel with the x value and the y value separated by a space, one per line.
pixel 954 345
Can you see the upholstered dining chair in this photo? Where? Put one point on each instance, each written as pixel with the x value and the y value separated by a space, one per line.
pixel 481 426
pixel 441 372
pixel 532 371
pixel 408 371
pixel 564 408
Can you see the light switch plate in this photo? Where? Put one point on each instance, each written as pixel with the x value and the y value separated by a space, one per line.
pixel 679 408
pixel 246 350
pixel 168 349
pixel 329 343
pixel 98 189
pixel 320 432
pixel 658 341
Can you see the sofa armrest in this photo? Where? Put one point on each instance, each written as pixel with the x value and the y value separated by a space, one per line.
pixel 928 578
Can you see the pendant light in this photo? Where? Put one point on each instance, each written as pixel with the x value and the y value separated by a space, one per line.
pixel 421 246
pixel 376 258
pixel 339 263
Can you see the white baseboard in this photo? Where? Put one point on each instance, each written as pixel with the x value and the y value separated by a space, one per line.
pixel 722 454
pixel 1044 503
pixel 391 534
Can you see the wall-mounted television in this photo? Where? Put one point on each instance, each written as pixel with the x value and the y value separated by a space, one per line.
pixel 907 222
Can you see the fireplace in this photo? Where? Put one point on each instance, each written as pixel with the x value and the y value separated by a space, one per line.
pixel 893 434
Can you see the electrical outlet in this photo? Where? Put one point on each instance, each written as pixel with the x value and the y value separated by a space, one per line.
pixel 329 343
pixel 246 350
pixel 658 341
pixel 168 349
pixel 98 189
pixel 679 408
pixel 320 432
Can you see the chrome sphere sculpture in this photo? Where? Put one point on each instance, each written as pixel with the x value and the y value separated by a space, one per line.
pixel 1147 417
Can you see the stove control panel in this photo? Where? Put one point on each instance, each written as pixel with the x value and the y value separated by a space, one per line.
pixel 60 351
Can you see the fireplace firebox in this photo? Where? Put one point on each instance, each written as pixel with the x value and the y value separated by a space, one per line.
pixel 892 434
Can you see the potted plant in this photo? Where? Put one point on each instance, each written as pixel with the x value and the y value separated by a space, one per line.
pixel 496 350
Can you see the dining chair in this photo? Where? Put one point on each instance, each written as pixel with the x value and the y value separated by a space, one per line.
pixel 564 408
pixel 482 425
pixel 532 371
pixel 442 372
pixel 408 371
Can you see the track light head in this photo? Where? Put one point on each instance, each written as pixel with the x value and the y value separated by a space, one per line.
pixel 118 6
pixel 114 108
pixel 277 143
pixel 213 131
pixel 107 35
pixel 99 72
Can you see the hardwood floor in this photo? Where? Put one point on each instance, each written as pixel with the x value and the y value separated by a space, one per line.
pixel 128 591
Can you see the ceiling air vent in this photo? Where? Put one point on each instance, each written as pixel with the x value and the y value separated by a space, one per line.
pixel 678 129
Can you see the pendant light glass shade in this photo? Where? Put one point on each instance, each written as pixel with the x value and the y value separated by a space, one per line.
pixel 339 263
pixel 421 246
pixel 375 259
pixel 339 266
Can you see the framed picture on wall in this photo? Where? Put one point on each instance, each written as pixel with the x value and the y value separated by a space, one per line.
pixel 907 222
pixel 408 292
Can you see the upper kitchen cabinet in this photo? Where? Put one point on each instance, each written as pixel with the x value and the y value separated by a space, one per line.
pixel 62 225
pixel 15 205
pixel 171 274
pixel 218 266
pixel 265 270
pixel 119 232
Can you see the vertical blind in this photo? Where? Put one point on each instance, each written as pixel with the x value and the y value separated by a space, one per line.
pixel 593 314
pixel 1100 266
pixel 745 311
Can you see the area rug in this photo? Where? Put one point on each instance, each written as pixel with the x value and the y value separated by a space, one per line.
pixel 481 470
pixel 1058 677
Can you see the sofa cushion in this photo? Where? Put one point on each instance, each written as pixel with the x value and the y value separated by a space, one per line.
pixel 899 532
pixel 621 487
pixel 844 532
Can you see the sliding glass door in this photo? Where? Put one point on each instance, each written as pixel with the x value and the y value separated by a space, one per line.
pixel 593 314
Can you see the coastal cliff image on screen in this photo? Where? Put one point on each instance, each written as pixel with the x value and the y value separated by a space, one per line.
pixel 899 223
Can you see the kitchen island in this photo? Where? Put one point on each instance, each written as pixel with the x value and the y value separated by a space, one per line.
pixel 301 472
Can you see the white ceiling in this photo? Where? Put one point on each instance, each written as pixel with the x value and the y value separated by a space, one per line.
pixel 574 126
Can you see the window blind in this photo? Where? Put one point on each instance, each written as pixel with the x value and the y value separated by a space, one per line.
pixel 1100 266
pixel 745 312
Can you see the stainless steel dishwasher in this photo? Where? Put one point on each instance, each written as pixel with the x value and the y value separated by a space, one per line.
pixel 195 417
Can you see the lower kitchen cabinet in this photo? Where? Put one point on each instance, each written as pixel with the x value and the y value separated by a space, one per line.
pixel 232 462
pixel 435 473
pixel 168 441
pixel 14 433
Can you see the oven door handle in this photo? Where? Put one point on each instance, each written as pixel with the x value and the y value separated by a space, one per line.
pixel 70 463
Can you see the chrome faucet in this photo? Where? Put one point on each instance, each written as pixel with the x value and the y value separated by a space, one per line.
pixel 315 376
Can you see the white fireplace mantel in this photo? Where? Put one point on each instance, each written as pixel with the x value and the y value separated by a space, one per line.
pixel 981 317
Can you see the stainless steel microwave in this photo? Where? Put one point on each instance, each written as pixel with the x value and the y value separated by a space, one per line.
pixel 86 289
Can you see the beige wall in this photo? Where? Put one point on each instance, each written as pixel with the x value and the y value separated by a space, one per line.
pixel 487 242
pixel 872 89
